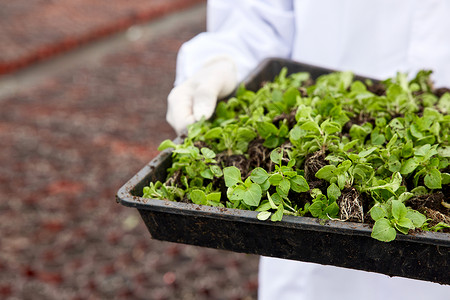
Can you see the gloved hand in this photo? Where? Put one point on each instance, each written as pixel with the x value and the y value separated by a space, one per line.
pixel 198 95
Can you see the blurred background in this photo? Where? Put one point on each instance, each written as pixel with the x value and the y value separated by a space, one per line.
pixel 83 88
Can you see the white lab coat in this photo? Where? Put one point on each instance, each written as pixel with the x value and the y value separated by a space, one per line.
pixel 371 38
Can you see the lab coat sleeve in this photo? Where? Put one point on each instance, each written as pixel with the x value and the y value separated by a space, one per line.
pixel 246 30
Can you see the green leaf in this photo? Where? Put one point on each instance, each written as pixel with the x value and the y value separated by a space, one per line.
pixel 245 134
pixel 416 218
pixel 276 155
pixel 290 96
pixel 264 215
pixel 194 129
pixel 440 225
pixel 316 209
pixel 310 126
pixel 319 205
pixel 400 228
pixel 396 124
pixel 444 103
pixel 405 196
pixel 214 133
pixel 377 213
pixel 377 138
pixel 299 184
pixel 332 210
pixel 315 193
pixel 445 178
pixel 288 173
pixel 291 163
pixel 275 179
pixel 407 149
pixel 283 131
pixel 295 134
pixel 216 170
pixel 333 192
pixel 383 231
pixel 444 151
pixel 350 145
pixel 409 166
pixel 326 172
pixel 367 152
pixel 415 132
pixel 330 127
pixel 433 179
pixel 423 150
pixel 392 186
pixel 265 129
pixel 284 186
pixel 264 205
pixel 277 95
pixel 380 122
pixel 236 193
pixel 232 176
pixel 252 196
pixel 443 163
pixel 215 197
pixel 271 202
pixel 259 175
pixel 406 223
pixel 198 197
pixel 278 215
pixel 265 185
pixel 398 209
pixel 166 144
pixel 207 174
pixel 341 181
pixel 392 141
pixel 394 165
pixel 208 153
pixel 360 132
pixel 272 141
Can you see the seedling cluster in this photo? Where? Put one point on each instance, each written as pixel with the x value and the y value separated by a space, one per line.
pixel 335 148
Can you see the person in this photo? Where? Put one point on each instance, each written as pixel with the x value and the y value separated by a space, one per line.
pixel 375 39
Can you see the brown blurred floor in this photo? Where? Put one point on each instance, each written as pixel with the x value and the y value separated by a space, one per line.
pixel 71 136
pixel 33 30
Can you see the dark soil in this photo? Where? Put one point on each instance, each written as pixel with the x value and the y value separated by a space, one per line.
pixel 259 156
pixel 290 118
pixel 432 206
pixel 377 88
pixel 439 92
pixel 358 119
pixel 237 160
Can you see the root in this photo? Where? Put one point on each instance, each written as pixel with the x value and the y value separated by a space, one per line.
pixel 445 204
pixel 351 206
pixel 436 216
pixel 175 179
pixel 313 164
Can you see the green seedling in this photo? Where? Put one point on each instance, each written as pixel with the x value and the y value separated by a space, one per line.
pixel 340 133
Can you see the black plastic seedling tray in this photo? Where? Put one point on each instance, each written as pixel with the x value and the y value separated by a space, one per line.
pixel 423 255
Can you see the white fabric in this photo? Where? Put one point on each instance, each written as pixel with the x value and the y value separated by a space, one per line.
pixel 197 96
pixel 290 280
pixel 372 38
pixel 248 31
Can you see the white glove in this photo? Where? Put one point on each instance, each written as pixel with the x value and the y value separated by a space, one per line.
pixel 198 95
